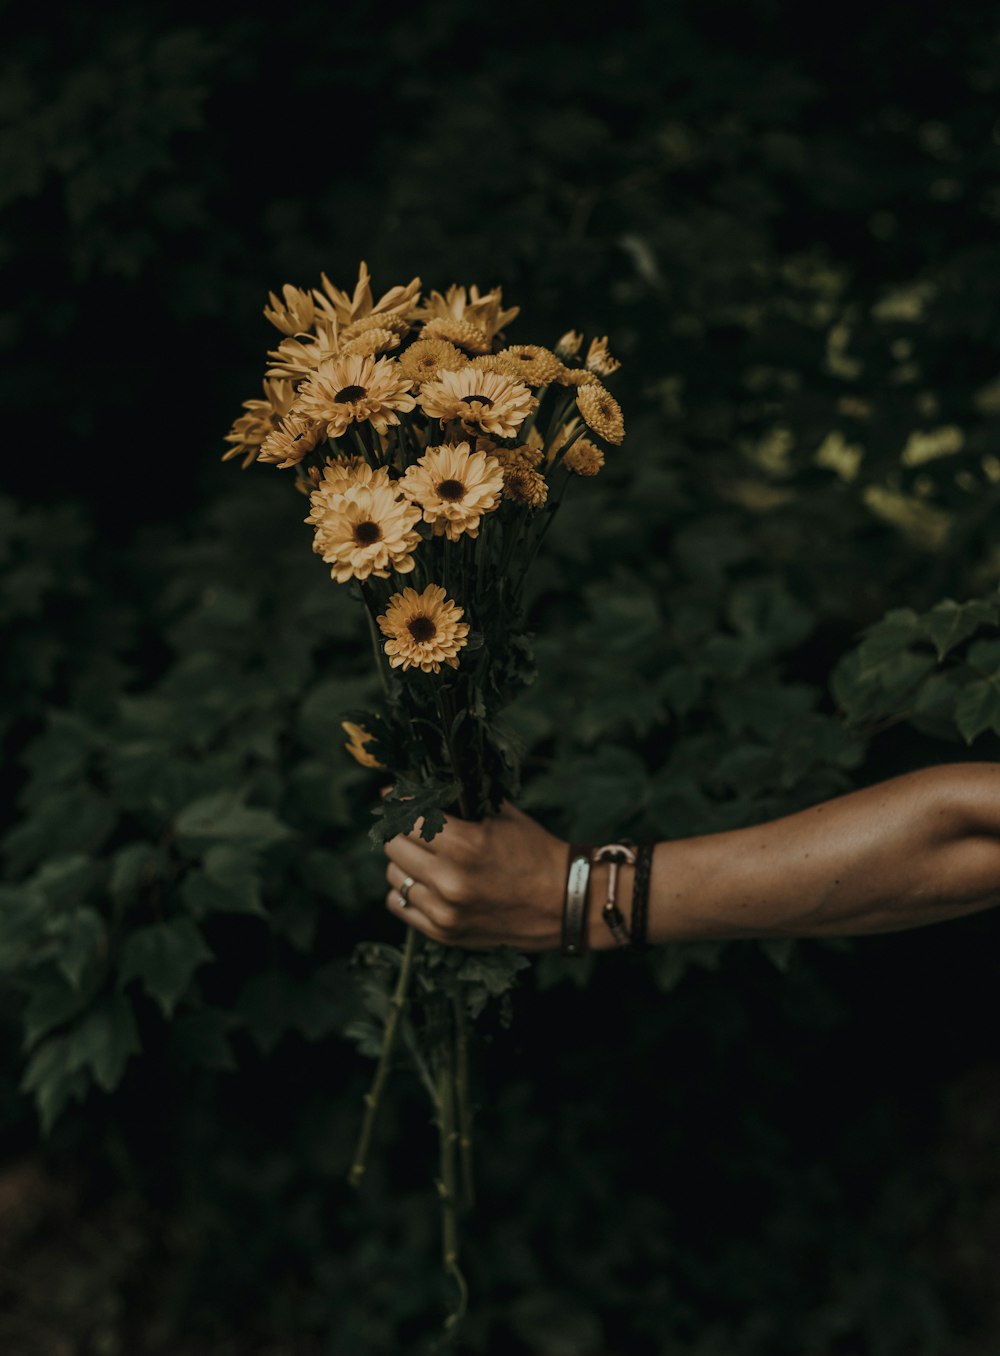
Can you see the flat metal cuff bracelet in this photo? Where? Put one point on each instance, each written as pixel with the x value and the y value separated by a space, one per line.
pixel 574 923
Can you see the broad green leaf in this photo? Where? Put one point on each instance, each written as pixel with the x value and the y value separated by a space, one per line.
pixel 164 957
pixel 984 657
pixel 103 1041
pixel 949 623
pixel 978 709
pixel 80 938
pixel 223 817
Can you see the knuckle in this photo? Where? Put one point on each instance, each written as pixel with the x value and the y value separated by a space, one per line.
pixel 451 888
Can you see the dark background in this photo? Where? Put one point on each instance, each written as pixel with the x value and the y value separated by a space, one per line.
pixel 721 1152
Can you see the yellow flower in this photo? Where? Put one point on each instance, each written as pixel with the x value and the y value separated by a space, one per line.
pixel 496 362
pixel 356 389
pixel 293 439
pixel 584 458
pixel 525 485
pixel 534 364
pixel 459 332
pixel 423 629
pixel 601 411
pixel 569 345
pixel 454 487
pixel 298 359
pixel 371 341
pixel 359 737
pixel 340 474
pixel 364 531
pixel 482 315
pixel 483 402
pixel 576 376
pixel 262 418
pixel 599 360
pixel 293 312
pixel 425 359
pixel 399 303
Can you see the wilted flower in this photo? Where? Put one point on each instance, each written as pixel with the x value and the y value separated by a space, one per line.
pixel 359 737
pixel 293 312
pixel 293 439
pixel 261 419
pixel 599 360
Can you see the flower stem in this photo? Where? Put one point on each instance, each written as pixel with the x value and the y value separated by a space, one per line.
pixel 373 632
pixel 464 1109
pixel 374 1093
pixel 447 1186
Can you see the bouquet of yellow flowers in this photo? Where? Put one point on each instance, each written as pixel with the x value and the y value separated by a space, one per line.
pixel 435 456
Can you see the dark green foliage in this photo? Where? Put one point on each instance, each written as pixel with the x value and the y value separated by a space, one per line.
pixel 783 586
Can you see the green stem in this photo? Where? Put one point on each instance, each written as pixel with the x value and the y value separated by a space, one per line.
pixel 447 1190
pixel 446 714
pixel 377 650
pixel 374 1093
pixel 464 1117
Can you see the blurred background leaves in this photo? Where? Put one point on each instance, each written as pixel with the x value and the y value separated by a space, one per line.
pixel 782 587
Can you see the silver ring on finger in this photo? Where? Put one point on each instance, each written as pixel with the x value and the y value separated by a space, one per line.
pixel 404 891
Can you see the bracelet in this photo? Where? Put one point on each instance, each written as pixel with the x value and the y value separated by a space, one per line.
pixel 574 924
pixel 615 854
pixel 640 895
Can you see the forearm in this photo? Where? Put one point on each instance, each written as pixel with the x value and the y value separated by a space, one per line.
pixel 915 850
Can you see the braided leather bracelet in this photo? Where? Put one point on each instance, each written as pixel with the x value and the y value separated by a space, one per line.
pixel 574 923
pixel 640 895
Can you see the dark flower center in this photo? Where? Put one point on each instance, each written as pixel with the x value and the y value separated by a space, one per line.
pixel 421 628
pixel 479 400
pixel 350 393
pixel 525 357
pixel 451 489
pixel 367 533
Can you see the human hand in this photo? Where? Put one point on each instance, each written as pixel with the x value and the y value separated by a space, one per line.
pixel 498 882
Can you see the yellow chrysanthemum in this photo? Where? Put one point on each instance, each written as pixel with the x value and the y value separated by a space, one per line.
pixel 262 418
pixel 483 402
pixel 532 363
pixel 599 360
pixel 480 311
pixel 496 362
pixel 345 309
pixel 371 342
pixel 341 474
pixel 455 487
pixel 293 439
pixel 388 320
pixel 297 359
pixel 569 345
pixel 423 630
pixel 525 485
pixel 461 333
pixel 576 376
pixel 601 411
pixel 528 453
pixel 364 531
pixel 584 458
pixel 293 312
pixel 425 359
pixel 359 737
pixel 354 389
